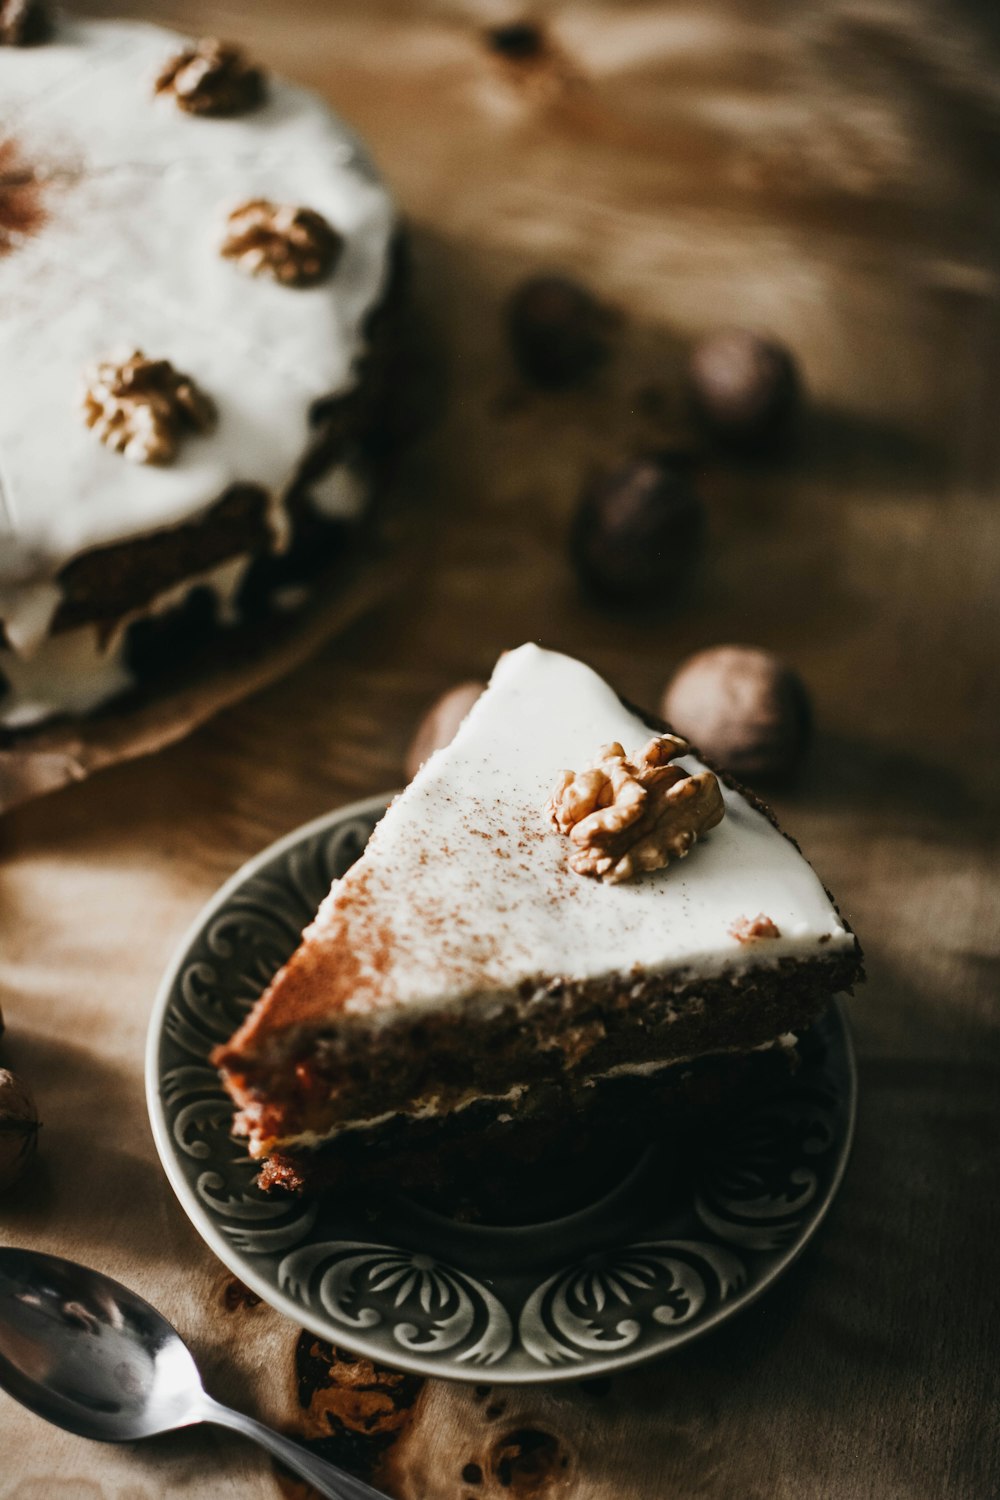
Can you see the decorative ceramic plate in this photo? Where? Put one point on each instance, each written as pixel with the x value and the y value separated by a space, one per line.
pixel 665 1254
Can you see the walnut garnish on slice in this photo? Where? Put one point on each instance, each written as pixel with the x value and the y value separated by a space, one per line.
pixel 752 929
pixel 295 246
pixel 23 23
pixel 140 407
pixel 212 78
pixel 625 816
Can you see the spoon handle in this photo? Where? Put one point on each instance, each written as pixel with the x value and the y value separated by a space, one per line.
pixel 325 1477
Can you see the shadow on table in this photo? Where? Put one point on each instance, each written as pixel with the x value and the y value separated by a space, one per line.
pixel 95 1184
pixel 844 773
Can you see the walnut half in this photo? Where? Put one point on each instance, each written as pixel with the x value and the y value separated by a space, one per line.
pixel 295 246
pixel 139 407
pixel 23 23
pixel 625 816
pixel 212 78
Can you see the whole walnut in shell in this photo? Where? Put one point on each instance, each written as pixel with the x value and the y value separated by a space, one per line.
pixel 745 387
pixel 637 530
pixel 557 329
pixel 744 708
pixel 19 1127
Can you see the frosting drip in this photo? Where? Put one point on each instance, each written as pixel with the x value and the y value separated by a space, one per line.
pixel 75 671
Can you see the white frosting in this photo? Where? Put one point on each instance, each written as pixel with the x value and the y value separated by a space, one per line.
pixel 465 893
pixel 75 671
pixel 135 196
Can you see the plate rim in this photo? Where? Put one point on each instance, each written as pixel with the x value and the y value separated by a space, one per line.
pixel 412 1363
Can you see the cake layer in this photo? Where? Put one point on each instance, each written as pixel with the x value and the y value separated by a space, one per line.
pixel 530 1154
pixel 462 954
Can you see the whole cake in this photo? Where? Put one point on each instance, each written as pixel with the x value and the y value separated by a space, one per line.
pixel 198 290
pixel 565 906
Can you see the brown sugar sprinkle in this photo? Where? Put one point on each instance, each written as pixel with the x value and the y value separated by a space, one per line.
pixel 751 930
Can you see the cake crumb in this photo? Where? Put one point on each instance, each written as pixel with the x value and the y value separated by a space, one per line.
pixel 751 930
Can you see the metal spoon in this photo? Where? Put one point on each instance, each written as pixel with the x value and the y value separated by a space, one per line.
pixel 84 1352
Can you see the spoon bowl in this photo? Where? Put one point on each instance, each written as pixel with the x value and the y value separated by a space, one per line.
pixel 84 1352
pixel 89 1355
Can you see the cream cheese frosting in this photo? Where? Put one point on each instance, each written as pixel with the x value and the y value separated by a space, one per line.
pixel 491 907
pixel 132 197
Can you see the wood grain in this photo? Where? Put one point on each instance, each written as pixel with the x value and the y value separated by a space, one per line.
pixel 826 169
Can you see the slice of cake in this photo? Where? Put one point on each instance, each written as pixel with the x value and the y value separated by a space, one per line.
pixel 561 900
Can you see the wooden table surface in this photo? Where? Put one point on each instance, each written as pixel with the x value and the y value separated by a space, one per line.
pixel 826 168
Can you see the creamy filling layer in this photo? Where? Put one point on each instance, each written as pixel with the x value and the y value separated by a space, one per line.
pixel 27 611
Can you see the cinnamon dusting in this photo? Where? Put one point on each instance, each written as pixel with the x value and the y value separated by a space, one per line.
pixel 21 210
